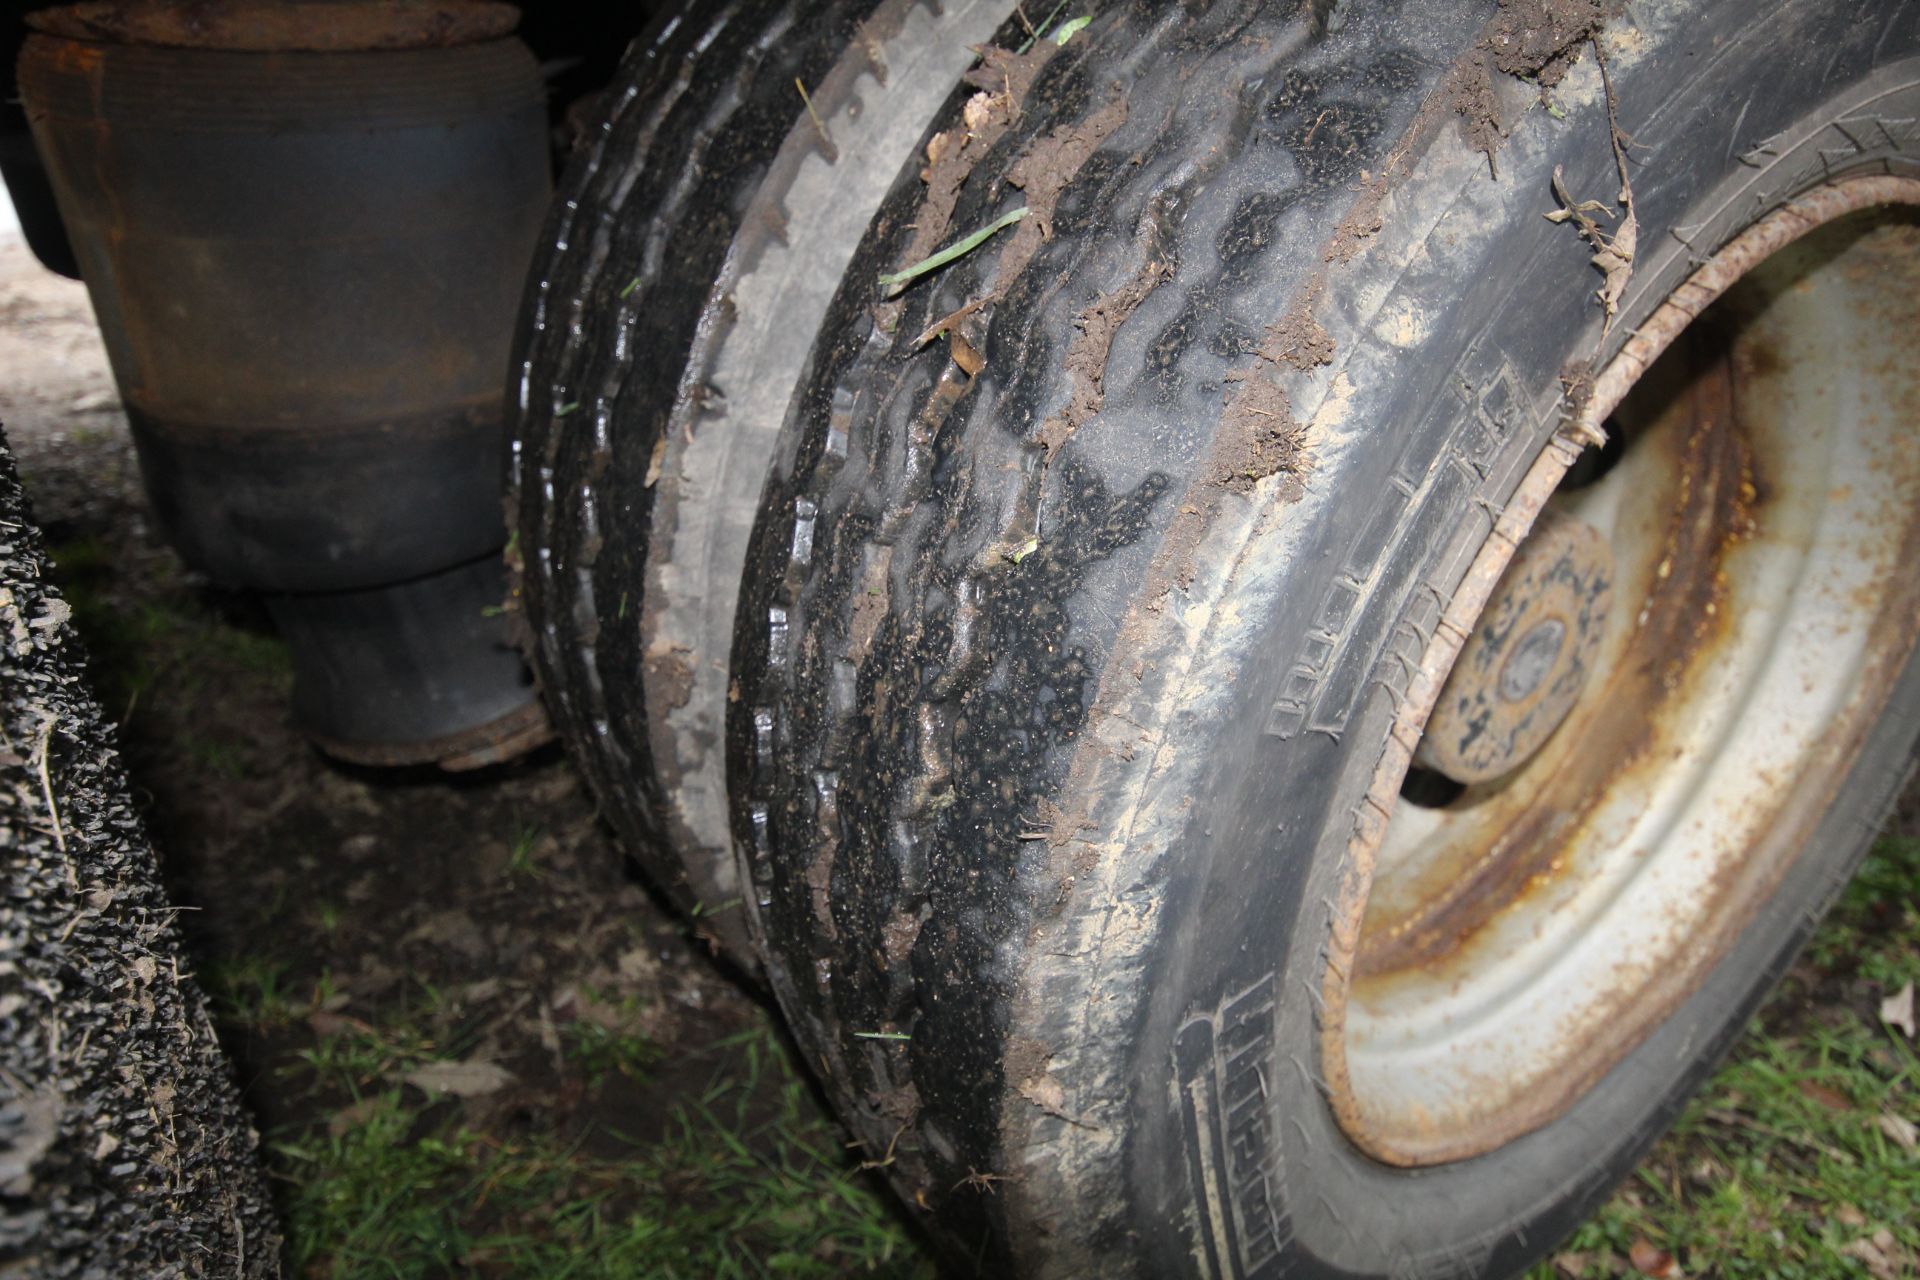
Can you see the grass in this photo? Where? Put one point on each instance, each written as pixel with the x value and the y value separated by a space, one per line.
pixel 160 644
pixel 1789 1163
pixel 746 1180
pixel 1781 1168
pixel 252 991
pixel 895 281
pixel 521 860
pixel 598 1051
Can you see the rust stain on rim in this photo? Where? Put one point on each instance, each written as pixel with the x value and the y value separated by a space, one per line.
pixel 1656 999
pixel 1687 617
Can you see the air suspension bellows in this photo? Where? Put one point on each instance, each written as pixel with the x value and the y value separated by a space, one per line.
pixel 305 228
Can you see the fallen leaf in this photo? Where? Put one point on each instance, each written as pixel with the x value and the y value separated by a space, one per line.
pixel 1897 1010
pixel 964 354
pixel 461 1079
pixel 1826 1097
pixel 1849 1216
pixel 1877 1252
pixel 347 1119
pixel 1045 1093
pixel 480 992
pixel 1706 1171
pixel 655 461
pixel 325 1022
pixel 1901 1130
pixel 1573 1265
pixel 979 110
pixel 1650 1260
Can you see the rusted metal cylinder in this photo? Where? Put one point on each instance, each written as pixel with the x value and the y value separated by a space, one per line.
pixel 305 228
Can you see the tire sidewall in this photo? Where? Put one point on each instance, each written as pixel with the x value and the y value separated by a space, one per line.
pixel 1224 1066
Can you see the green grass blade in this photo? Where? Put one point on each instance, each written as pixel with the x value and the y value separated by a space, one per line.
pixel 899 280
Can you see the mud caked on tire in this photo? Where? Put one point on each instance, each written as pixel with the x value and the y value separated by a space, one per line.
pixel 694 245
pixel 124 1150
pixel 1284 707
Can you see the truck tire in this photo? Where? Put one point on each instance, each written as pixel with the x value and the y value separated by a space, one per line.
pixel 694 245
pixel 1084 653
pixel 123 1147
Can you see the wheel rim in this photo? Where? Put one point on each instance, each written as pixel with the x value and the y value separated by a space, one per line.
pixel 1500 946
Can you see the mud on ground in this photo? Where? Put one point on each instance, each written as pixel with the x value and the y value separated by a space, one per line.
pixel 482 920
pixel 498 887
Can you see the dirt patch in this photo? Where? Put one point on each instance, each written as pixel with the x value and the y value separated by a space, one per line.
pixel 869 606
pixel 901 932
pixel 1027 1061
pixel 1536 40
pixel 669 672
pixel 1539 39
pixel 1259 436
pixel 1043 171
pixel 1087 355
pixel 1298 340
pixel 820 878
pixel 1470 89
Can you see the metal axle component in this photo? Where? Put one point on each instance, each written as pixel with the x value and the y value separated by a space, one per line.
pixel 306 256
pixel 1524 666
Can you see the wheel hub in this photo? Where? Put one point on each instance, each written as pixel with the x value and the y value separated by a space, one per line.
pixel 1507 944
pixel 1523 668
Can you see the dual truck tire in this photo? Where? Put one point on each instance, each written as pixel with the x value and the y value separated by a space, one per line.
pixel 1276 713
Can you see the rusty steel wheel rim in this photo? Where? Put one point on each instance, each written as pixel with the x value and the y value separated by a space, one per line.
pixel 1497 949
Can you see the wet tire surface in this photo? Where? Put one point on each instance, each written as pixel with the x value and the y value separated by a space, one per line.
pixel 961 651
pixel 1090 568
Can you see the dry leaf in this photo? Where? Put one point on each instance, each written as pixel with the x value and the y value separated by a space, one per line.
pixel 1612 254
pixel 461 1079
pixel 347 1119
pixel 1897 1010
pixel 1046 1094
pixel 1573 1265
pixel 1877 1252
pixel 970 360
pixel 1615 261
pixel 325 1022
pixel 1849 1216
pixel 1826 1097
pixel 978 112
pixel 1650 1260
pixel 1706 1171
pixel 1900 1130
